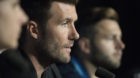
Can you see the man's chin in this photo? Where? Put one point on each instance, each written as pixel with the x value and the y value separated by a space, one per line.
pixel 64 60
pixel 110 65
pixel 114 66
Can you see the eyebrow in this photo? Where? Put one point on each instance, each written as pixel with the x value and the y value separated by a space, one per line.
pixel 69 19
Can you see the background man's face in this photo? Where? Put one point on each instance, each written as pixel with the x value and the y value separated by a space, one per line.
pixel 11 19
pixel 108 46
pixel 60 32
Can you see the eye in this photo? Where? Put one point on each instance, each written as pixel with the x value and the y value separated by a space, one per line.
pixel 110 37
pixel 65 23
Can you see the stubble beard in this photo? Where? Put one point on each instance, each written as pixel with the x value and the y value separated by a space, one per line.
pixel 102 60
pixel 53 52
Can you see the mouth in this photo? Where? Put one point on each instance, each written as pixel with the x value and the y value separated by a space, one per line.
pixel 118 55
pixel 68 48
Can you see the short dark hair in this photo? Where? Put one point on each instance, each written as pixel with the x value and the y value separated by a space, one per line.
pixel 91 16
pixel 38 10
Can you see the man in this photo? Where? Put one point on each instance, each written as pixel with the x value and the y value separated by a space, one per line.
pixel 49 36
pixel 100 44
pixel 11 19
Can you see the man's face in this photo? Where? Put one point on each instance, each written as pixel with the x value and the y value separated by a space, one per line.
pixel 60 32
pixel 108 46
pixel 11 19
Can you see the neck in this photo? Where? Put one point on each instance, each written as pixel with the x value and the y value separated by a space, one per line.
pixel 38 67
pixel 35 59
pixel 91 68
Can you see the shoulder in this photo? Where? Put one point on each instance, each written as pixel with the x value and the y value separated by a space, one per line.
pixel 12 64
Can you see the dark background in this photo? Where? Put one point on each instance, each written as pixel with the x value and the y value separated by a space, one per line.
pixel 129 21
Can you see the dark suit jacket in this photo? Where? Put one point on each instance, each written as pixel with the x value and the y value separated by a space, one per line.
pixel 16 64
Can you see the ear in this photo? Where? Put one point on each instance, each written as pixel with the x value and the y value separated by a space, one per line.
pixel 32 27
pixel 84 45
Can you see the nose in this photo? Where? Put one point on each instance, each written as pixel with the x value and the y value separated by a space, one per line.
pixel 120 44
pixel 74 35
pixel 23 18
